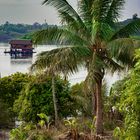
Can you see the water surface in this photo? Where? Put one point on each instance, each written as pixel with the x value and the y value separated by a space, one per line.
pixel 9 66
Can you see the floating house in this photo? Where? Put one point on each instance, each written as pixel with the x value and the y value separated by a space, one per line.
pixel 20 48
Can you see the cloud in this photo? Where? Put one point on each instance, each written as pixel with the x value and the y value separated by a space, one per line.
pixel 26 11
pixel 30 11
pixel 19 2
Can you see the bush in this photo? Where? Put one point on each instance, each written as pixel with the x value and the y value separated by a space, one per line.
pixel 30 132
pixel 10 88
pixel 37 98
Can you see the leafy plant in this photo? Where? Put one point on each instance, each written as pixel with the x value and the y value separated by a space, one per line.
pixel 73 125
pixel 44 120
pixel 10 88
pixel 91 125
pixel 28 131
pixel 119 133
pixel 130 104
pixel 37 98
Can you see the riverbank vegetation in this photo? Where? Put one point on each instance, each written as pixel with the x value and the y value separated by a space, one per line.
pixel 9 31
pixel 33 107
pixel 48 107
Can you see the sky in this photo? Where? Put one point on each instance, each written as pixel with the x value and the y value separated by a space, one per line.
pixel 30 11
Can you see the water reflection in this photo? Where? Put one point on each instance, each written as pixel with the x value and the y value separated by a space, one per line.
pixel 21 61
pixel 21 56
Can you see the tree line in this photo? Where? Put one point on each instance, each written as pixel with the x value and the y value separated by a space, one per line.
pixel 9 31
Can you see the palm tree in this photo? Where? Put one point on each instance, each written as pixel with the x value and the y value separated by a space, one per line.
pixel 96 41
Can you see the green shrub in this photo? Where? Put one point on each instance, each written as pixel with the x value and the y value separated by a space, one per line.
pixel 37 98
pixel 30 132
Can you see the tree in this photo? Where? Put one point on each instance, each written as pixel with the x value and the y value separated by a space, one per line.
pixel 10 87
pixel 135 16
pixel 129 104
pixel 37 98
pixel 55 100
pixel 96 42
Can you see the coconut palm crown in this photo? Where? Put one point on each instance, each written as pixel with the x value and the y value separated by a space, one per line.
pixel 95 40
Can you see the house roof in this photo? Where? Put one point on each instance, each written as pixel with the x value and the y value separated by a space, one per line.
pixel 20 42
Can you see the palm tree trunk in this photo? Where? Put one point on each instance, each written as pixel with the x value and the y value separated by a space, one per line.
pixel 99 108
pixel 55 100
pixel 93 100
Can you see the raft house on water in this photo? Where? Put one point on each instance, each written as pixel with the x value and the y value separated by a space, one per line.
pixel 20 48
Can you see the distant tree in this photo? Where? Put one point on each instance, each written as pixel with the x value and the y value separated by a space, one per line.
pixel 36 25
pixel 135 16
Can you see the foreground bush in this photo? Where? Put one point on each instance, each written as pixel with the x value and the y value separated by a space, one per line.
pixel 30 132
pixel 10 87
pixel 130 105
pixel 37 98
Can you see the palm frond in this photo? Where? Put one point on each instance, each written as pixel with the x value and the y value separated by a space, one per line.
pixel 101 30
pixel 114 11
pixel 62 60
pixel 85 12
pixel 95 67
pixel 64 6
pixel 58 35
pixel 111 65
pixel 100 9
pixel 73 25
pixel 130 29
pixel 122 50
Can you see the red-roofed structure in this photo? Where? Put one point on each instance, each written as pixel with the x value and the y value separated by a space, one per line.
pixel 20 48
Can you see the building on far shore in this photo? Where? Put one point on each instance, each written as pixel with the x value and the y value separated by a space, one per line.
pixel 20 48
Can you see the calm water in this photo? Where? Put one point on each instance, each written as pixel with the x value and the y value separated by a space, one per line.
pixel 9 66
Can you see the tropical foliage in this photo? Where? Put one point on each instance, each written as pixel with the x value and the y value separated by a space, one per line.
pixel 96 42
pixel 36 98
pixel 10 88
pixel 30 132
pixel 6 119
pixel 82 99
pixel 130 104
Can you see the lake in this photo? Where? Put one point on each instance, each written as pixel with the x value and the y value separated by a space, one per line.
pixel 9 66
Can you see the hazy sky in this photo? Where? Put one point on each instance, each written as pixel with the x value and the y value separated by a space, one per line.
pixel 30 11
